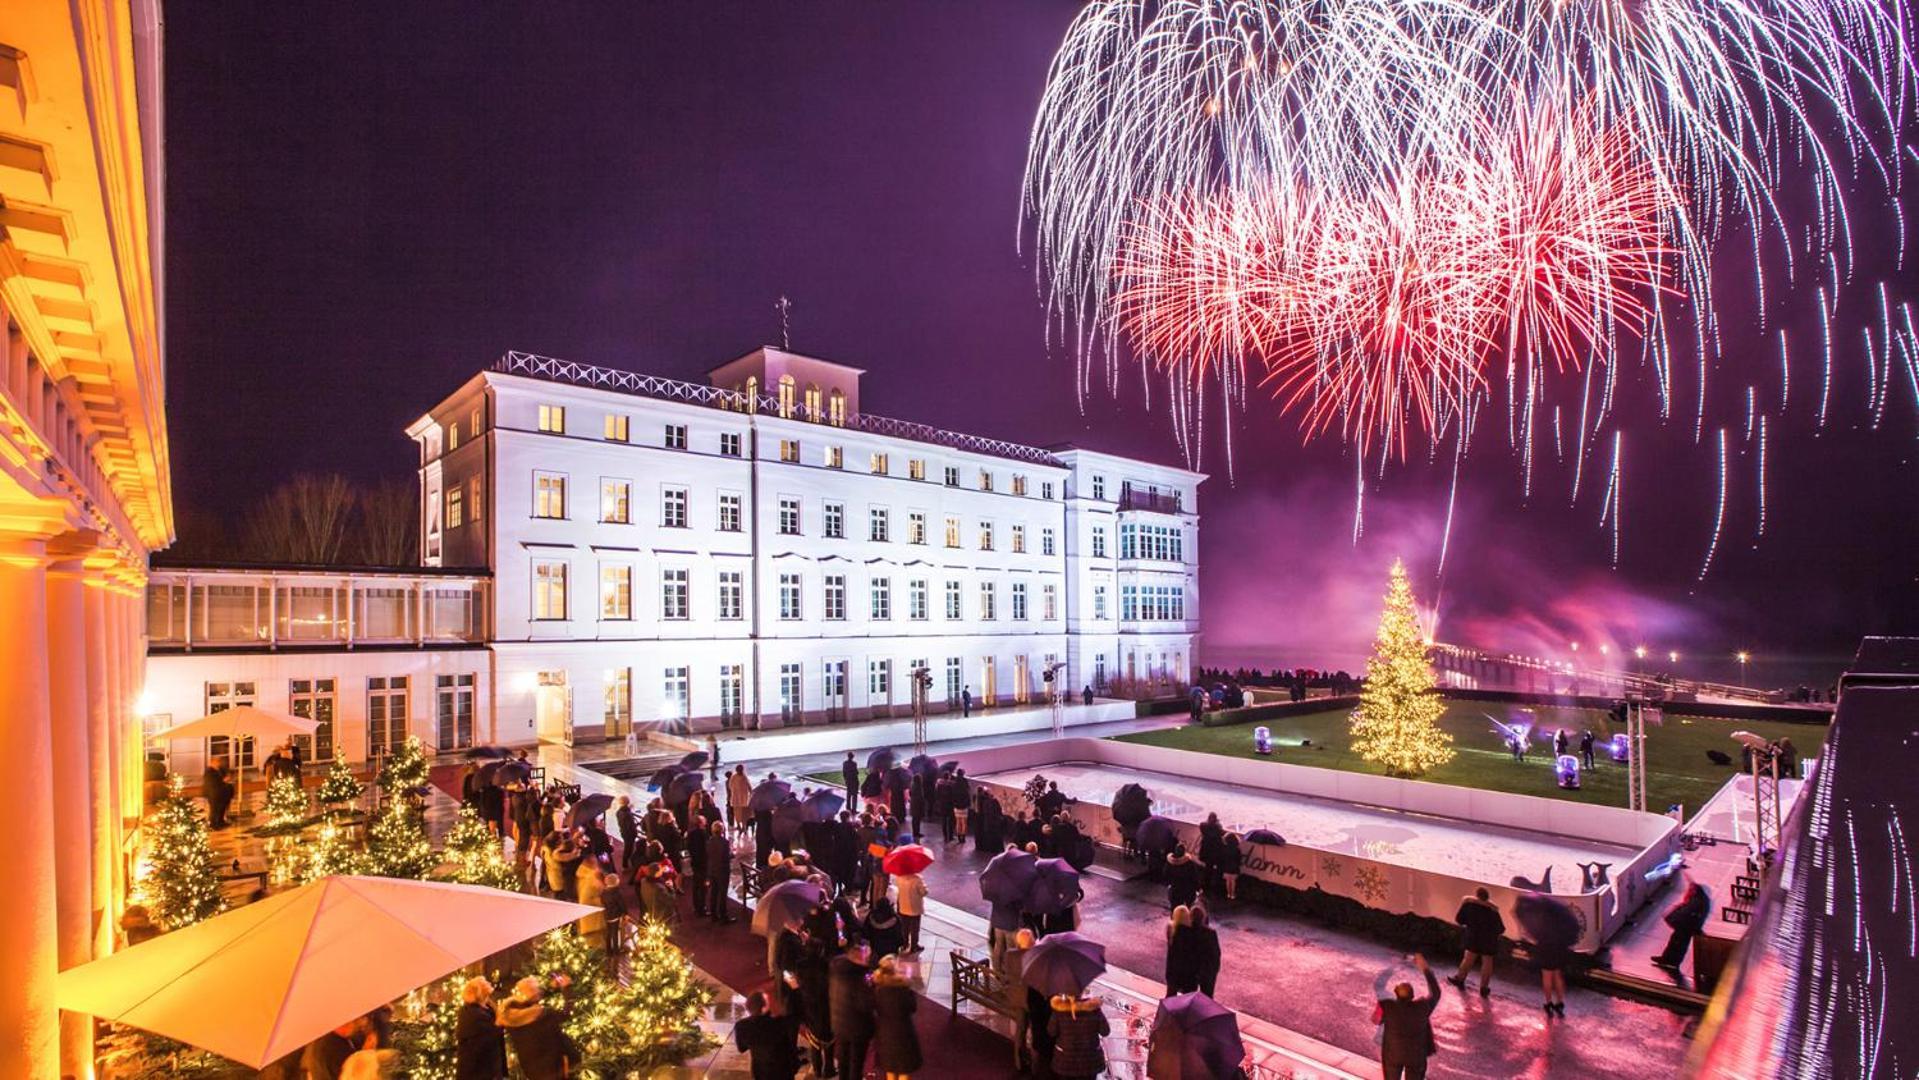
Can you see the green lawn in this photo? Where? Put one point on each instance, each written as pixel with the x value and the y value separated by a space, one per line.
pixel 1678 769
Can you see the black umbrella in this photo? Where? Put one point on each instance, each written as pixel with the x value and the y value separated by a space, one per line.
pixel 494 752
pixel 1548 921
pixel 881 760
pixel 785 906
pixel 588 808
pixel 693 760
pixel 682 788
pixel 1055 888
pixel 769 795
pixel 502 773
pixel 1264 836
pixel 1063 963
pixel 663 777
pixel 1131 805
pixel 1082 854
pixel 1157 834
pixel 821 805
pixel 870 787
pixel 949 766
pixel 921 765
pixel 787 819
pixel 1194 1038
pixel 1008 876
pixel 898 778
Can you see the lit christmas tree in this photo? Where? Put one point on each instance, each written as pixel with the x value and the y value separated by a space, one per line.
pixel 1396 724
pixel 474 852
pixel 340 787
pixel 331 850
pixel 179 887
pixel 396 844
pixel 650 1023
pixel 426 1037
pixel 286 807
pixel 405 770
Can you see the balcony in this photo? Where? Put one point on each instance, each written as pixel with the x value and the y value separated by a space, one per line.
pixel 293 608
pixel 1157 502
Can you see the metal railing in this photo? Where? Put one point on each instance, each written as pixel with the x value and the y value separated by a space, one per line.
pixel 652 386
pixel 1158 502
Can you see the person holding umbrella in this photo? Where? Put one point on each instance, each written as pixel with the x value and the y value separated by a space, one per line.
pixel 1552 928
pixel 911 904
pixel 1406 1023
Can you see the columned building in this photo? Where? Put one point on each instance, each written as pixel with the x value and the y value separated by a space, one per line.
pixel 83 488
pixel 761 552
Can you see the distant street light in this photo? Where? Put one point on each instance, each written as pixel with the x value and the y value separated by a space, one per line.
pixel 1672 657
pixel 1743 657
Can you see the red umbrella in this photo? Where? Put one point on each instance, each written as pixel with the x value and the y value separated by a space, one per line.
pixel 907 859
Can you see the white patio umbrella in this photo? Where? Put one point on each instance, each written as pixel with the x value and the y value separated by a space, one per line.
pixel 262 981
pixel 239 722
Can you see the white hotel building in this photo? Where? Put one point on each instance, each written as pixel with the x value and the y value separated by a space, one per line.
pixel 640 553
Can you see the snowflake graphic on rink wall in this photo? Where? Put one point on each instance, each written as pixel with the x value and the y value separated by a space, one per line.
pixel 1330 867
pixel 1371 883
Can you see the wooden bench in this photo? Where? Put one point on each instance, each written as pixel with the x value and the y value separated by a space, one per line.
pixel 1736 915
pixel 976 981
pixel 1746 889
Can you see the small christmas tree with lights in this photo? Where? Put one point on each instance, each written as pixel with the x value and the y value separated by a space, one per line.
pixel 286 808
pixel 1397 722
pixel 405 771
pixel 396 844
pixel 179 887
pixel 331 850
pixel 473 851
pixel 428 1038
pixel 340 787
pixel 651 1022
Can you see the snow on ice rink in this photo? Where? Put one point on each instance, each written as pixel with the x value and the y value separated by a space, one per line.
pixel 1488 853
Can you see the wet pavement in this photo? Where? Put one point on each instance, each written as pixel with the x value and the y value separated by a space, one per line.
pixel 1318 981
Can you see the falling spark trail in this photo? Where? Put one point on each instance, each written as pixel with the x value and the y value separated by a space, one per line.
pixel 1761 529
pixel 1719 511
pixel 1785 374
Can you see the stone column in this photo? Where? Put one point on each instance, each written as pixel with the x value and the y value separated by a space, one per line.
pixel 29 1018
pixel 71 788
pixel 103 750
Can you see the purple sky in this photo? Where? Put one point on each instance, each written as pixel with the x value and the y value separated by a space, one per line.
pixel 365 208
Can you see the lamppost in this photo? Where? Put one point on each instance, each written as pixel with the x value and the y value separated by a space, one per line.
pixel 1743 656
pixel 922 682
pixel 1053 696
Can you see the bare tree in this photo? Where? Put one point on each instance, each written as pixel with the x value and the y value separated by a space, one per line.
pixel 389 529
pixel 304 520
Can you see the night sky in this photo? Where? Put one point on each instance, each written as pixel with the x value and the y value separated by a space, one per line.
pixel 369 204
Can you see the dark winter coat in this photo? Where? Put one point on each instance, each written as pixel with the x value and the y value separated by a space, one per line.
pixel 1076 1043
pixel 1183 960
pixel 1408 1025
pixel 1480 925
pixel 1206 954
pixel 897 1043
pixel 1182 881
pixel 851 999
pixel 545 1052
pixel 479 1046
pixel 769 1044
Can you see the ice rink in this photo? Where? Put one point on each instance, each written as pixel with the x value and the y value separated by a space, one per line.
pixel 1485 853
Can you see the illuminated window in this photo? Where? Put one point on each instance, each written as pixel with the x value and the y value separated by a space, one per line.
pixel 813 410
pixel 879 465
pixel 452 437
pixel 986 536
pixel 836 408
pixel 916 469
pixel 473 499
pixel 549 495
pixel 916 527
pixel 786 395
pixel 474 426
pixel 952 532
pixel 616 592
pixel 1019 485
pixel 454 500
pixel 549 590
pixel 553 419
pixel 790 450
pixel 988 600
pixel 616 502
pixel 835 457
pixel 616 427
pixel 1019 539
pixel 619 701
pixel 753 393
pixel 986 479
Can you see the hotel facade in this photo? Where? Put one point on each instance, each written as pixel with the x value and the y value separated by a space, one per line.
pixel 606 554
pixel 84 493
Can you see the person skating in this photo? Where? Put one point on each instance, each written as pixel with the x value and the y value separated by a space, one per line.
pixel 1687 919
pixel 1406 1024
pixel 1480 926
